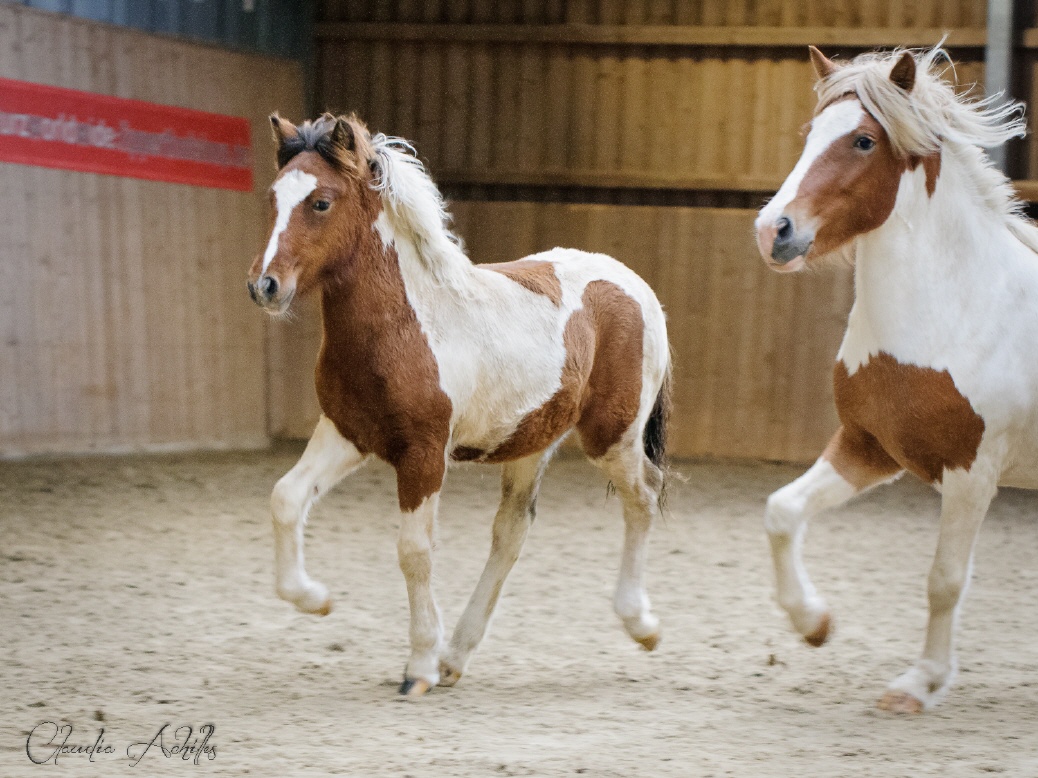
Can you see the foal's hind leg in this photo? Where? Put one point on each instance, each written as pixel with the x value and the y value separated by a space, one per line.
pixel 520 482
pixel 328 458
pixel 638 482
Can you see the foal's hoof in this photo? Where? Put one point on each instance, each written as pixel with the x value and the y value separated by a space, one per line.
pixel 414 687
pixel 821 632
pixel 449 675
pixel 896 701
pixel 649 642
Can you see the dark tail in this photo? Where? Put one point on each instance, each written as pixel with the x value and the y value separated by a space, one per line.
pixel 655 434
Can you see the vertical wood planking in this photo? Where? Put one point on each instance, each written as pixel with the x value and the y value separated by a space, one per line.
pixel 130 327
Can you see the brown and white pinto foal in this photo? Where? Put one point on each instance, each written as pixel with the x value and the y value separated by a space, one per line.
pixel 937 373
pixel 427 357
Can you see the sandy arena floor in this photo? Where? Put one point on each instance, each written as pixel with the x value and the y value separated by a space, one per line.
pixel 137 592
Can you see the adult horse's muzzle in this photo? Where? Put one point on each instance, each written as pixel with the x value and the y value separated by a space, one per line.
pixel 783 246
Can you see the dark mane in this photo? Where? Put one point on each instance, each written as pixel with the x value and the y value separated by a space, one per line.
pixel 336 148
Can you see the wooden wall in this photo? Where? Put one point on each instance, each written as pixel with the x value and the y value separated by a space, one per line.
pixel 124 322
pixel 609 125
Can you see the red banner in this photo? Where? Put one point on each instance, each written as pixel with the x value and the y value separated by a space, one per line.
pixel 65 128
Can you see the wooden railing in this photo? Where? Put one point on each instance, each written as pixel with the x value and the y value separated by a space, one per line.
pixel 656 35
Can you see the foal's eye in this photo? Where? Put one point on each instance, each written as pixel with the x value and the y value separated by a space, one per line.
pixel 322 205
pixel 864 143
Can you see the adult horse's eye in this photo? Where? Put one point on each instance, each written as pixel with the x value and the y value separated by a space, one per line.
pixel 864 143
pixel 322 205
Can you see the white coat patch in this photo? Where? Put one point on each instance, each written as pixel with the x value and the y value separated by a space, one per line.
pixel 289 191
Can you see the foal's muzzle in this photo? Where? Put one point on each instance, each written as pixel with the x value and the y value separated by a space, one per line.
pixel 265 293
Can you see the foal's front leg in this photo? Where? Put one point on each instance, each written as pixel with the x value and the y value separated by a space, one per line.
pixel 328 458
pixel 418 485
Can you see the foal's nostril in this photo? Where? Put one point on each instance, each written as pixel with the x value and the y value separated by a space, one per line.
pixel 785 228
pixel 269 285
pixel 252 291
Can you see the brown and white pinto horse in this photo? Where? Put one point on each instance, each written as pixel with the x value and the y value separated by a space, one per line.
pixel 936 374
pixel 427 358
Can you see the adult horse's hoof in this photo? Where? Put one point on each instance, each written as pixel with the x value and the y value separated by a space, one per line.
pixel 449 675
pixel 324 609
pixel 895 701
pixel 821 632
pixel 414 687
pixel 649 642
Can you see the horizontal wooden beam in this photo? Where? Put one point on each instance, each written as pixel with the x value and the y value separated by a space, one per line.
pixel 1029 39
pixel 591 179
pixel 659 35
pixel 1027 190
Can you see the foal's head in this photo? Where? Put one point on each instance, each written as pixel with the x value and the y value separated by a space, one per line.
pixel 885 124
pixel 323 206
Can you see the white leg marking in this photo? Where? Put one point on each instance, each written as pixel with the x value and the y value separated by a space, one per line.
pixel 785 519
pixel 965 498
pixel 520 482
pixel 625 465
pixel 289 191
pixel 414 551
pixel 328 458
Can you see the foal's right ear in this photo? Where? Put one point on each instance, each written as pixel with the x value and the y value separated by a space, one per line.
pixel 824 67
pixel 284 131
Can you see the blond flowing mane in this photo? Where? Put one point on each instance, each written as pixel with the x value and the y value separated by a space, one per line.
pixel 416 208
pixel 933 116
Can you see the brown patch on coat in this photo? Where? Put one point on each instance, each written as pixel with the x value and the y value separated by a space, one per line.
pixel 859 458
pixel 377 378
pixel 613 396
pixel 848 192
pixel 533 274
pixel 601 380
pixel 931 166
pixel 915 414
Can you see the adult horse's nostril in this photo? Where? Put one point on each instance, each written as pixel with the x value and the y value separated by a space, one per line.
pixel 785 228
pixel 252 291
pixel 269 285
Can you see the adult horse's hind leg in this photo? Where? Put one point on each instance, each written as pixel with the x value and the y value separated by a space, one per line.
pixel 328 458
pixel 638 483
pixel 520 482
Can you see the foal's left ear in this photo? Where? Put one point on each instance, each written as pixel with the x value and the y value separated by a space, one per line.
pixel 903 72
pixel 343 135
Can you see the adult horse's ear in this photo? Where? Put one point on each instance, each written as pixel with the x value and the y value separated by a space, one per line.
pixel 824 67
pixel 903 72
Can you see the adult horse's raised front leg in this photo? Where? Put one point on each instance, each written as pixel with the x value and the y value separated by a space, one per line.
pixel 328 458
pixel 852 462
pixel 964 503
pixel 520 482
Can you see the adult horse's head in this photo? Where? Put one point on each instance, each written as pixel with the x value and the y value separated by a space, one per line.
pixel 322 202
pixel 881 124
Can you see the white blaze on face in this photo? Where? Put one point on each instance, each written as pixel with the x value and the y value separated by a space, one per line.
pixel 289 191
pixel 834 122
